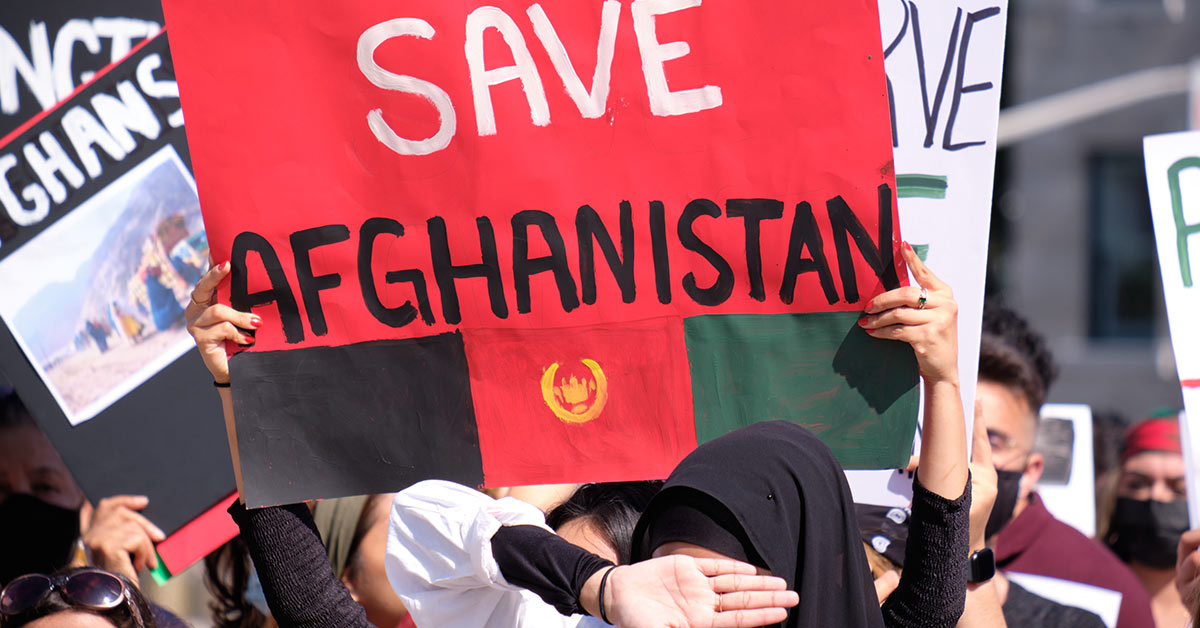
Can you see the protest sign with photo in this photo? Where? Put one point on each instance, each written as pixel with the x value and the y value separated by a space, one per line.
pixel 1173 177
pixel 101 239
pixel 544 242
pixel 104 312
pixel 944 64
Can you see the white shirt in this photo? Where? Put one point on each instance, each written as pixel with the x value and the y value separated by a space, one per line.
pixel 439 561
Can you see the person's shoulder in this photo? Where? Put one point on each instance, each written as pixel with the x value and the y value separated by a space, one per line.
pixel 1076 556
pixel 1066 538
pixel 165 618
pixel 1097 553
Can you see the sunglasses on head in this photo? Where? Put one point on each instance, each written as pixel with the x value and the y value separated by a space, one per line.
pixel 91 588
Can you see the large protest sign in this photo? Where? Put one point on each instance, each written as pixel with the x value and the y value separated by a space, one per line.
pixel 1173 177
pixel 944 64
pixel 100 238
pixel 537 242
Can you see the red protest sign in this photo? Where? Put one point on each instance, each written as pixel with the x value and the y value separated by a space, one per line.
pixel 449 171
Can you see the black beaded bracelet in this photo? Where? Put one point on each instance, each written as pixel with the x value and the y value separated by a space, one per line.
pixel 603 584
pixel 220 384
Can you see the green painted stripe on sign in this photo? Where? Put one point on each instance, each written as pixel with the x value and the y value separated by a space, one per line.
pixel 858 394
pixel 922 251
pixel 921 186
pixel 160 573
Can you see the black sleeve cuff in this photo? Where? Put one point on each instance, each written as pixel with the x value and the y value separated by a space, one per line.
pixel 297 579
pixel 933 587
pixel 539 560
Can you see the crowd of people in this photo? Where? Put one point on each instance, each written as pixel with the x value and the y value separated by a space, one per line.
pixel 754 528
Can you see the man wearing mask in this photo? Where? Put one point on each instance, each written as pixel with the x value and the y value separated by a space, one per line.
pixel 1015 371
pixel 1147 515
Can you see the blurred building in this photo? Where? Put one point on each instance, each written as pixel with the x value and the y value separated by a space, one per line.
pixel 1072 245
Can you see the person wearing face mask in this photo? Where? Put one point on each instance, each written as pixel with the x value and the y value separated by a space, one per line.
pixel 1145 521
pixel 46 523
pixel 39 501
pixel 994 603
pixel 1015 371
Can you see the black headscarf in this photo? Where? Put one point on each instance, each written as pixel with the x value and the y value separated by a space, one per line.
pixel 792 506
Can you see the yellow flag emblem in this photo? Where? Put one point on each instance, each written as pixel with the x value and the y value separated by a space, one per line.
pixel 576 400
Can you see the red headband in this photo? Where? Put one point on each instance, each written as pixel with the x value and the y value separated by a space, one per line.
pixel 1152 435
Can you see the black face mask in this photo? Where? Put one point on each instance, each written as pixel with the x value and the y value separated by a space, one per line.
pixel 1147 531
pixel 1008 486
pixel 38 537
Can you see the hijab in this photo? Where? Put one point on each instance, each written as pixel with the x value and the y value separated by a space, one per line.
pixel 788 499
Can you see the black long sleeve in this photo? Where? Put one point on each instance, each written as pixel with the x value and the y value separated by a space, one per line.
pixel 297 579
pixel 933 587
pixel 539 560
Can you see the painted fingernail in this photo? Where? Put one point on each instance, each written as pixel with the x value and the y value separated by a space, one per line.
pixel 256 321
pixel 862 321
pixel 870 304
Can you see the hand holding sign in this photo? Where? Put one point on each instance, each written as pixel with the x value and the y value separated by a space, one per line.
pixel 120 539
pixel 213 324
pixel 924 317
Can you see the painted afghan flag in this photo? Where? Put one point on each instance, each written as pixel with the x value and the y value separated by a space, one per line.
pixel 530 242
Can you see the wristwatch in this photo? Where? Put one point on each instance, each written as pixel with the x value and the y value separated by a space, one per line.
pixel 983 566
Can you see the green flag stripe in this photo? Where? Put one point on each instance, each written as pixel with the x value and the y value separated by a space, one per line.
pixel 160 573
pixel 921 185
pixel 856 393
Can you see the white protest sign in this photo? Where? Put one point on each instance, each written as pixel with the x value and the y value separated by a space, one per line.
pixel 1068 483
pixel 1173 177
pixel 1106 603
pixel 944 61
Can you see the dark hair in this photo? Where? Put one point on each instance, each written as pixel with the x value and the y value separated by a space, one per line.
pixel 226 575
pixel 1011 353
pixel 612 507
pixel 134 612
pixel 12 412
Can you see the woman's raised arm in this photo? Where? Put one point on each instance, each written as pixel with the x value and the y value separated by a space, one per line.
pixel 212 325
pixel 926 317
